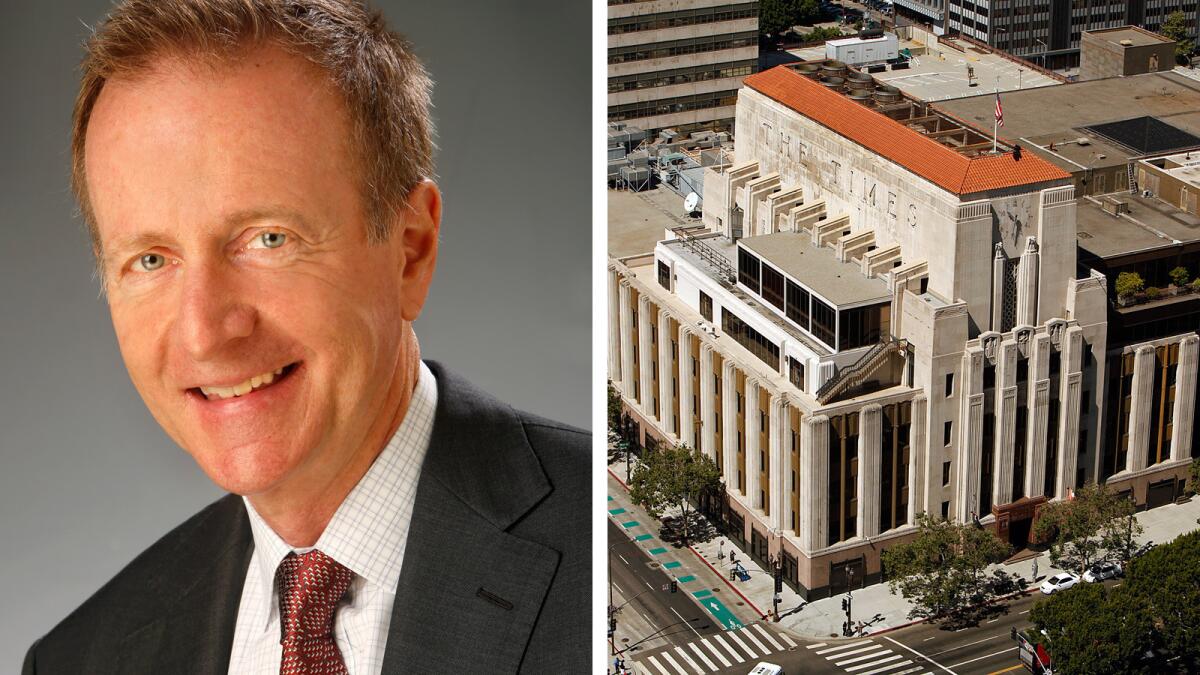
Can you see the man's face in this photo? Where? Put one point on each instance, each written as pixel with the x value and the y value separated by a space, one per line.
pixel 228 203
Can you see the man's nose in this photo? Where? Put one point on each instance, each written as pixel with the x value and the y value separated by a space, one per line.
pixel 214 313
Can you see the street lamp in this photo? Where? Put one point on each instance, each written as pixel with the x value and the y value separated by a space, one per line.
pixel 1044 50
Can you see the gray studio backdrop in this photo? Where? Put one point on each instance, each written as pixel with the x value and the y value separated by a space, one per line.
pixel 87 479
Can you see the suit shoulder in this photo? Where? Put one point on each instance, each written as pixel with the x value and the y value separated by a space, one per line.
pixel 134 595
pixel 571 446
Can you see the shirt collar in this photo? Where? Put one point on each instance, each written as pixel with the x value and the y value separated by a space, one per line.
pixel 368 532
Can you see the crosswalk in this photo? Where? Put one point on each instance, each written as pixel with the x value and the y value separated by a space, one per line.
pixel 866 657
pixel 714 652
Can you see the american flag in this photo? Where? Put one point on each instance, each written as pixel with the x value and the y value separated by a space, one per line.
pixel 999 112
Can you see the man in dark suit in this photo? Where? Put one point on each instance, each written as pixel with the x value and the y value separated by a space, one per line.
pixel 255 177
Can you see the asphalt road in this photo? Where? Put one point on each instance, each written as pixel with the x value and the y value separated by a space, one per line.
pixel 649 617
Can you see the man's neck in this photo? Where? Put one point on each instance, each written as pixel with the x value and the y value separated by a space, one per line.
pixel 299 514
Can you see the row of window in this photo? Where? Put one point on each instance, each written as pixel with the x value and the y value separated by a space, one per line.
pixel 664 78
pixel 686 17
pixel 697 45
pixel 667 106
pixel 749 338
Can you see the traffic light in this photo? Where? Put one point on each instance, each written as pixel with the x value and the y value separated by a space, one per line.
pixel 612 626
pixel 779 582
pixel 1012 632
pixel 674 586
pixel 845 605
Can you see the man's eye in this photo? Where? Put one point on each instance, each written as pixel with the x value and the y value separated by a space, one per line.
pixel 149 262
pixel 272 239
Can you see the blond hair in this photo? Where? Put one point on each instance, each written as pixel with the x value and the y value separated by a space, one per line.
pixel 385 88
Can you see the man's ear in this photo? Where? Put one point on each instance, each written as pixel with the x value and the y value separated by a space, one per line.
pixel 421 220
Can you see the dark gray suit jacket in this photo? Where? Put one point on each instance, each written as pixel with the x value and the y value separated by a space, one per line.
pixel 496 575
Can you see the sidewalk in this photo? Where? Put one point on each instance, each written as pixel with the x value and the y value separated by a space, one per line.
pixel 823 618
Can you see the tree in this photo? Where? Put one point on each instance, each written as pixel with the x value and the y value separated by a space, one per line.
pixel 1175 28
pixel 673 477
pixel 1179 276
pixel 777 16
pixel 1129 283
pixel 942 571
pixel 614 408
pixel 1168 576
pixel 1090 629
pixel 808 12
pixel 1194 476
pixel 1096 520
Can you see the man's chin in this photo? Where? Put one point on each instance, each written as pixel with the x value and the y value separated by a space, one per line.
pixel 247 471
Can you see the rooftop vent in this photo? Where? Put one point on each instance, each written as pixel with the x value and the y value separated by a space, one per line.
pixel 1126 43
pixel 1114 206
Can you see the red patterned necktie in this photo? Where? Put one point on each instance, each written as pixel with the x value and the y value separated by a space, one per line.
pixel 310 587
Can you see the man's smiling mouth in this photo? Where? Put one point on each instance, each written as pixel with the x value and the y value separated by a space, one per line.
pixel 253 384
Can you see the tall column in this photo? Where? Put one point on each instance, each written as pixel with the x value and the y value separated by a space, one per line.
pixel 614 325
pixel 753 447
pixel 1069 409
pixel 776 481
pixel 870 430
pixel 645 363
pixel 1039 409
pixel 1139 408
pixel 1006 422
pixel 925 470
pixel 708 403
pixel 729 425
pixel 1027 284
pixel 687 414
pixel 999 260
pixel 666 388
pixel 626 375
pixel 969 460
pixel 814 481
pixel 1183 429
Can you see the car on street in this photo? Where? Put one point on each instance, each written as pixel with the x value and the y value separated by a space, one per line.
pixel 1059 582
pixel 764 668
pixel 1101 571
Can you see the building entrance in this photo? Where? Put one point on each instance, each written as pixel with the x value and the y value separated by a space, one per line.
pixel 1014 521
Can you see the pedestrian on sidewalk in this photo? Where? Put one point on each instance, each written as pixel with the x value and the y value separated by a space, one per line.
pixel 1035 576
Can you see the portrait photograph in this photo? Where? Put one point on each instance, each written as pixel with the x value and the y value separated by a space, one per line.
pixel 296 327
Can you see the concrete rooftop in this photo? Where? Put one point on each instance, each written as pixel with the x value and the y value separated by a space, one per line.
pixel 840 283
pixel 1151 223
pixel 639 220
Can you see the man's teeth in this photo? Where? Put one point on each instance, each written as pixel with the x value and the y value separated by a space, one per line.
pixel 256 382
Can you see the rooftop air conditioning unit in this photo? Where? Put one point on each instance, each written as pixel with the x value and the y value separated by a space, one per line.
pixel 1147 193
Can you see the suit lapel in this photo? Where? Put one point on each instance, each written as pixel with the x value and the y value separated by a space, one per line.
pixel 470 592
pixel 200 597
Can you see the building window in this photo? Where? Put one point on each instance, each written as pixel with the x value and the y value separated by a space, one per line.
pixel 945 473
pixel 797 304
pixel 664 275
pixel 949 385
pixel 824 322
pixel 946 510
pixel 947 433
pixel 796 373
pixel 748 270
pixel 706 306
pixel 864 326
pixel 772 286
pixel 749 338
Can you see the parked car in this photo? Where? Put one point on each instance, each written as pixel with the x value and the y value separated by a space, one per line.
pixel 1059 582
pixel 1101 571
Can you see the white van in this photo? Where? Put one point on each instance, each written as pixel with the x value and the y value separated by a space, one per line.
pixel 764 668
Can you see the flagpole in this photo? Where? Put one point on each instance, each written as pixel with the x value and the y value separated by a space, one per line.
pixel 995 117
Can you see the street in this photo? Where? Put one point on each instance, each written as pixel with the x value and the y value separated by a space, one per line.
pixel 649 617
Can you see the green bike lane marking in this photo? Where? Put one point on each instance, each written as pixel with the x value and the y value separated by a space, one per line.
pixel 643 537
pixel 616 512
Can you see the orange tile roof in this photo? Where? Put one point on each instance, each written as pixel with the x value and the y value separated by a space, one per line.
pixel 890 139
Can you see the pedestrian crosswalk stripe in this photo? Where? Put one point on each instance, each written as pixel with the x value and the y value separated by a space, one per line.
pixel 819 644
pixel 750 636
pixel 841 647
pixel 785 638
pixel 851 669
pixel 668 659
pixel 703 657
pixel 901 664
pixel 653 661
pixel 683 655
pixel 876 652
pixel 733 635
pixel 898 664
pixel 717 652
pixel 766 635
pixel 732 652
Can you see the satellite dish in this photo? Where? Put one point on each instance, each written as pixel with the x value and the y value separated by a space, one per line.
pixel 691 202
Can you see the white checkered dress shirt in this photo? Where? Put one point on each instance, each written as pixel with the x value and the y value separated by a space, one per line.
pixel 367 534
